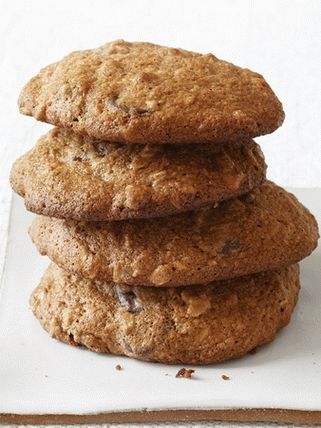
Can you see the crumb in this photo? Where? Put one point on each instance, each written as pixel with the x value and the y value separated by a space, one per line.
pixel 185 373
pixel 166 374
pixel 46 375
pixel 118 367
pixel 224 377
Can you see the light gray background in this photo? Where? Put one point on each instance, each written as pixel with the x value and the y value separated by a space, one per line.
pixel 278 38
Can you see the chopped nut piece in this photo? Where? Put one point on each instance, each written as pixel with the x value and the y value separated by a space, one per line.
pixel 196 305
pixel 161 275
pixel 185 373
pixel 224 377
pixel 118 367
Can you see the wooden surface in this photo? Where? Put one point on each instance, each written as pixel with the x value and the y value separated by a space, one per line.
pixel 239 415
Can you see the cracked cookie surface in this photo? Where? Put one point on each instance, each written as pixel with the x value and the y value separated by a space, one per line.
pixel 265 229
pixel 145 93
pixel 69 176
pixel 224 320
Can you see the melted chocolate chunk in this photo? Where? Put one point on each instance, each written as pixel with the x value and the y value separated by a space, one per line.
pixel 230 247
pixel 128 300
pixel 100 148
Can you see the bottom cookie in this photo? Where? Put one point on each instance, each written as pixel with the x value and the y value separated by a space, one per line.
pixel 188 325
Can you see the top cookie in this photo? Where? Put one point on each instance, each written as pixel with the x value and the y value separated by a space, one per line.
pixel 145 93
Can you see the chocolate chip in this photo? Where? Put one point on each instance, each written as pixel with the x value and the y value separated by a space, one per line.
pixel 128 300
pixel 230 247
pixel 100 148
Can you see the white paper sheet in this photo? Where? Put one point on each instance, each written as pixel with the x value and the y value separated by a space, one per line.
pixel 40 375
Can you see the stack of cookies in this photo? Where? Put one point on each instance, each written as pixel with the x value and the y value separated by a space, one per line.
pixel 167 242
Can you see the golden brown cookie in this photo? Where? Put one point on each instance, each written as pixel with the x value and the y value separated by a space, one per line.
pixel 69 176
pixel 189 325
pixel 262 230
pixel 145 93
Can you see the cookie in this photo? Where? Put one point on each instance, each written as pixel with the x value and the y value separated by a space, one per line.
pixel 145 93
pixel 188 325
pixel 262 230
pixel 69 176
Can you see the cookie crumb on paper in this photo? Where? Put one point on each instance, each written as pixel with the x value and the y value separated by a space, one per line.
pixel 185 373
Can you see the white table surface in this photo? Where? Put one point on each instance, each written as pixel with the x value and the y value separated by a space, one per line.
pixel 280 39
